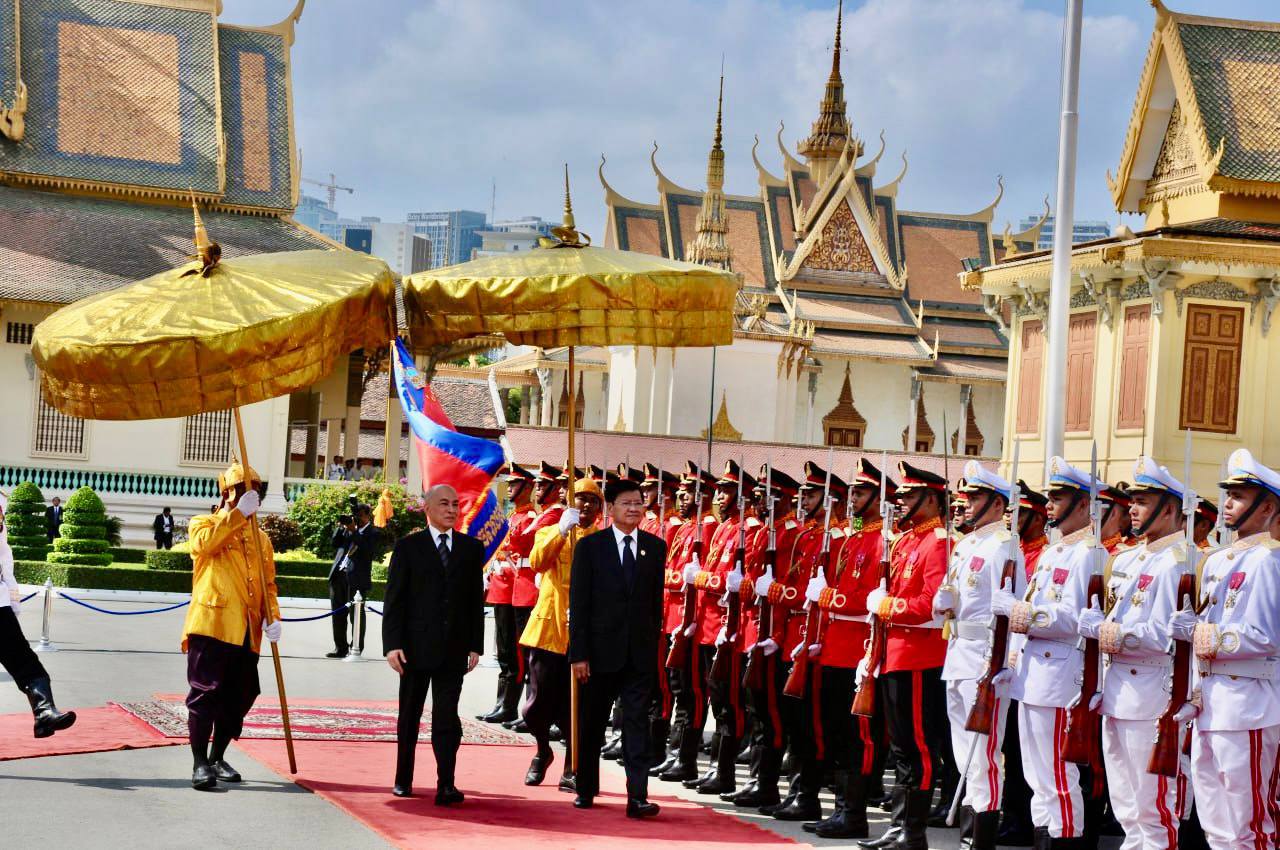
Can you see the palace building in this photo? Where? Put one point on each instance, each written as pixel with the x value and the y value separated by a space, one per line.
pixel 852 328
pixel 1170 326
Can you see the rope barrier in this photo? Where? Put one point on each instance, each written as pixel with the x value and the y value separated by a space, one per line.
pixel 316 617
pixel 374 610
pixel 29 596
pixel 122 613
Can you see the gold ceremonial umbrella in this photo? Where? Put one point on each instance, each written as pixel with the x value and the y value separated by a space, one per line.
pixel 212 335
pixel 568 293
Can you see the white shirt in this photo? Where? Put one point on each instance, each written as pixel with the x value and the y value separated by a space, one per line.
pixel 618 534
pixel 435 536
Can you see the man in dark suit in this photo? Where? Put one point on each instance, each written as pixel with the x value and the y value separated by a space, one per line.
pixel 361 544
pixel 433 634
pixel 162 529
pixel 615 619
pixel 53 518
pixel 339 586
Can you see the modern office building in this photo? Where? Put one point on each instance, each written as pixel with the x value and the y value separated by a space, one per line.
pixel 517 234
pixel 403 250
pixel 1081 231
pixel 454 234
pixel 315 213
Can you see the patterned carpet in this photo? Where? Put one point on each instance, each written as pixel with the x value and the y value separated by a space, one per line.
pixel 315 721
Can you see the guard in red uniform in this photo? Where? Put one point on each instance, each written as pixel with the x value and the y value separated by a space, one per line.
pixel 715 582
pixel 848 741
pixel 500 582
pixel 768 736
pixel 548 488
pixel 661 516
pixel 683 566
pixel 911 678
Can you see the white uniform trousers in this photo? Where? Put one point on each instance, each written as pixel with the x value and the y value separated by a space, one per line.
pixel 1234 776
pixel 1147 806
pixel 1056 800
pixel 984 779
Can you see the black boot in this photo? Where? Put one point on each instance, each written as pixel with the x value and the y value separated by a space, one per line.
pixel 1078 843
pixel 203 777
pixel 850 821
pixel 723 781
pixel 1015 832
pixel 699 781
pixel 770 808
pixel 663 766
pixel 985 827
pixel 492 714
pixel 48 718
pixel 804 806
pixel 838 812
pixel 224 771
pixel 1040 839
pixel 899 809
pixel 915 821
pixel 613 749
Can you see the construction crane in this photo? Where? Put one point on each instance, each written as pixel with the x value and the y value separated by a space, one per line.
pixel 331 187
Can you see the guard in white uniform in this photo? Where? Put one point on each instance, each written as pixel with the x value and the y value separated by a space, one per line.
pixel 1050 666
pixel 1237 647
pixel 972 577
pixel 1134 638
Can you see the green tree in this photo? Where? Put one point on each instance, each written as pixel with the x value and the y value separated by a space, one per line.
pixel 317 508
pixel 83 537
pixel 28 536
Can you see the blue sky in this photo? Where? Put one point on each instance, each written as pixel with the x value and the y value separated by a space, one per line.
pixel 419 105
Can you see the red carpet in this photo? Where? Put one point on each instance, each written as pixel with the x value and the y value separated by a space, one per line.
pixel 500 811
pixel 97 730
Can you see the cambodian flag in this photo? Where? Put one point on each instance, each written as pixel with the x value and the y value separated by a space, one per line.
pixel 465 463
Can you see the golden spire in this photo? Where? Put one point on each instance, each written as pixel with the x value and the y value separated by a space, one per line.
pixel 566 235
pixel 831 132
pixel 710 246
pixel 207 252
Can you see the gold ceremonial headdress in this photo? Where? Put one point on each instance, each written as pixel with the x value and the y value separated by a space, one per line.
pixel 234 475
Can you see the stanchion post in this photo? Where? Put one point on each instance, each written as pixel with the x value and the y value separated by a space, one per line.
pixel 46 644
pixel 357 643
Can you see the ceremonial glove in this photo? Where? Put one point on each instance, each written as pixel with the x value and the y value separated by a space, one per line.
pixel 816 585
pixel 1189 711
pixel 875 597
pixel 248 503
pixel 815 649
pixel 1003 600
pixel 486 581
pixel 1090 621
pixel 690 629
pixel 733 582
pixel 944 600
pixel 723 637
pixel 1182 625
pixel 1002 682
pixel 691 571
pixel 568 520
pixel 861 673
pixel 1095 701
pixel 273 630
pixel 768 647
pixel 762 585
pixel 795 653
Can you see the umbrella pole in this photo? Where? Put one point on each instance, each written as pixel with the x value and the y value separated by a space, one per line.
pixel 574 724
pixel 262 582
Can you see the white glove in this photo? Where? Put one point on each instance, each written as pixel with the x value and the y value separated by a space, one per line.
pixel 486 581
pixel 1001 682
pixel 1189 711
pixel 690 572
pixel 1182 625
pixel 273 630
pixel 723 637
pixel 944 600
pixel 816 585
pixel 1003 600
pixel 248 503
pixel 861 673
pixel 15 597
pixel 733 582
pixel 795 653
pixel 763 584
pixel 1091 619
pixel 568 520
pixel 1095 701
pixel 768 647
pixel 690 629
pixel 875 597
pixel 815 649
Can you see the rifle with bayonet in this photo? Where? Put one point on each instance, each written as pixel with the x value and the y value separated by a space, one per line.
pixel 754 676
pixel 864 700
pixel 1084 724
pixel 799 676
pixel 681 640
pixel 722 664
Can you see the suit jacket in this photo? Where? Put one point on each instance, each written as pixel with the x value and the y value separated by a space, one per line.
pixel 363 542
pixel 157 526
pixel 341 541
pixel 53 519
pixel 434 617
pixel 611 624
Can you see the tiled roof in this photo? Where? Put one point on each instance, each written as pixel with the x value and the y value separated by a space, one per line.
pixel 934 249
pixel 969 334
pixel 255 115
pixel 972 368
pixel 836 309
pixel 8 55
pixel 1229 227
pixel 891 347
pixel 1234 71
pixel 467 403
pixel 371 444
pixel 58 248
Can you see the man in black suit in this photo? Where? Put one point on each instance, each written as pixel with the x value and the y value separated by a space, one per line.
pixel 339 586
pixel 433 634
pixel 361 544
pixel 162 529
pixel 615 619
pixel 53 518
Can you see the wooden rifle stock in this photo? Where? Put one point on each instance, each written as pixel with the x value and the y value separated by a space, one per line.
pixel 864 700
pixel 1168 746
pixel 982 717
pixel 722 664
pixel 754 677
pixel 1084 727
pixel 799 676
pixel 678 657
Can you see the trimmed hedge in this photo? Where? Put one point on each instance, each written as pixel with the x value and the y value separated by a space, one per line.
pixel 167 559
pixel 128 556
pixel 86 531
pixel 83 536
pixel 83 547
pixel 26 521
pixel 121 577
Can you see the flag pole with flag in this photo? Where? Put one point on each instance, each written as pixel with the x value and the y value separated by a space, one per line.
pixel 466 463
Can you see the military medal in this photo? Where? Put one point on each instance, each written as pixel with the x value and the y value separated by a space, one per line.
pixel 1233 590
pixel 1059 579
pixel 1140 595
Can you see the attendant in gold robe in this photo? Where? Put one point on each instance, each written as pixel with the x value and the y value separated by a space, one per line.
pixel 546 636
pixel 230 611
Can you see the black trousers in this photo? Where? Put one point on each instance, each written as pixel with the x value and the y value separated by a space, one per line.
pixel 548 699
pixel 16 655
pixel 632 687
pixel 446 727
pixel 519 674
pixel 729 708
pixel 849 741
pixel 692 699
pixel 768 733
pixel 224 685
pixel 505 638
pixel 164 541
pixel 666 715
pixel 916 709
pixel 803 721
pixel 340 593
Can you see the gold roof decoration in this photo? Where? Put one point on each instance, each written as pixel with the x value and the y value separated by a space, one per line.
pixel 722 429
pixel 710 246
pixel 844 414
pixel 831 132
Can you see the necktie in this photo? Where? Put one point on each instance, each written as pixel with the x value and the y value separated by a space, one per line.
pixel 628 561
pixel 444 552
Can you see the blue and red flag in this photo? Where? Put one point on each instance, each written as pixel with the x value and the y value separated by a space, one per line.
pixel 465 463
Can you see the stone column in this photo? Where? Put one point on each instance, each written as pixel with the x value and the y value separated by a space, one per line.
pixel 966 399
pixel 604 403
pixel 351 436
pixel 413 475
pixel 313 436
pixel 524 405
pixel 671 391
pixel 332 441
pixel 395 418
pixel 813 397
pixel 544 384
pixel 277 460
pixel 914 414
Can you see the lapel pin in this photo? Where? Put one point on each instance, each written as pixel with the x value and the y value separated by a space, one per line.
pixel 642 553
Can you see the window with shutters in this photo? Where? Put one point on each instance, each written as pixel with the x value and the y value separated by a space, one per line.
pixel 56 434
pixel 1211 368
pixel 206 438
pixel 1131 410
pixel 1029 376
pixel 847 437
pixel 1082 332
pixel 19 333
